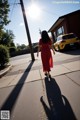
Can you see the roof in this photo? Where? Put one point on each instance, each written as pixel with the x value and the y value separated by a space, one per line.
pixel 61 18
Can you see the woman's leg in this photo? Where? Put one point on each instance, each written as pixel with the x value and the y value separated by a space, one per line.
pixel 49 75
pixel 46 73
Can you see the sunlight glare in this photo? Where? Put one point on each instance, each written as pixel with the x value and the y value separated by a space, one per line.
pixel 34 11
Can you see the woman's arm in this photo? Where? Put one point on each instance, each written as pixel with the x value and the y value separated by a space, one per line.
pixel 53 49
pixel 51 46
pixel 39 46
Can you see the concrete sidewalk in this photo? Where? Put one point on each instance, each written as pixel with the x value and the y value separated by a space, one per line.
pixel 4 71
pixel 26 84
pixel 36 72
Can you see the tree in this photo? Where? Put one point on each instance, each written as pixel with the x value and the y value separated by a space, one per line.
pixel 4 10
pixel 7 38
pixel 21 47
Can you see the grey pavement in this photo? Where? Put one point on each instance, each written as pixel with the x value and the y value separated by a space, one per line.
pixel 4 71
pixel 29 95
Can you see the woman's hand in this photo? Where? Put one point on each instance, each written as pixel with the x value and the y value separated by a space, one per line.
pixel 37 54
pixel 53 52
pixel 38 50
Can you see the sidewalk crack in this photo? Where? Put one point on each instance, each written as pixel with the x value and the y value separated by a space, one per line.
pixel 72 80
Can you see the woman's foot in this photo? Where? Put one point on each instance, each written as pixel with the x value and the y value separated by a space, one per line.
pixel 46 73
pixel 49 75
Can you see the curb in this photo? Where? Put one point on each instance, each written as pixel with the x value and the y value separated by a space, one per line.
pixel 5 71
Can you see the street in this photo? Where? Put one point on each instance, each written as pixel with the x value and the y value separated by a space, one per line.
pixel 29 95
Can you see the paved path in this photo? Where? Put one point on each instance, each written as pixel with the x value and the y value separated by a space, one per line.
pixel 30 96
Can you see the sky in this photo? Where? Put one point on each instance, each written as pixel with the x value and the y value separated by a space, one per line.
pixel 40 14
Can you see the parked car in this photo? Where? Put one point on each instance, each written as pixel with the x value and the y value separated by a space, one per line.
pixel 66 41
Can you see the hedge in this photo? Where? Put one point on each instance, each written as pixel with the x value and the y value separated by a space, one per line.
pixel 4 55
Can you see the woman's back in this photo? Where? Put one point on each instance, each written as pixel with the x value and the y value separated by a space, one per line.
pixel 45 46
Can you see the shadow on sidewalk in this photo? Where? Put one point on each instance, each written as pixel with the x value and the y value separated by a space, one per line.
pixel 60 108
pixel 72 52
pixel 12 98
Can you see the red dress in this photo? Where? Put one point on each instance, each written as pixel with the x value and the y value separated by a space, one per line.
pixel 46 55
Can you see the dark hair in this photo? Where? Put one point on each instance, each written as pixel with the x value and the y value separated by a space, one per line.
pixel 45 37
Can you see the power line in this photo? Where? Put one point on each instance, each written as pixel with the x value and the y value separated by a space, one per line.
pixel 13 4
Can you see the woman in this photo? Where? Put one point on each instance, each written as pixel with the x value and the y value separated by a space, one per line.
pixel 45 44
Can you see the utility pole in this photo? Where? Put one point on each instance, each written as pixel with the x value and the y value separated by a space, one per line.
pixel 27 29
pixel 40 31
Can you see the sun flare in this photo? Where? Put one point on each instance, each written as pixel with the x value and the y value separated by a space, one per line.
pixel 34 11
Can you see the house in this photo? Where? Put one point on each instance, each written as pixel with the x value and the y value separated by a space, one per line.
pixel 69 23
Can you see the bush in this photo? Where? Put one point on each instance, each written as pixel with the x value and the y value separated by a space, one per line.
pixel 12 50
pixel 4 55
